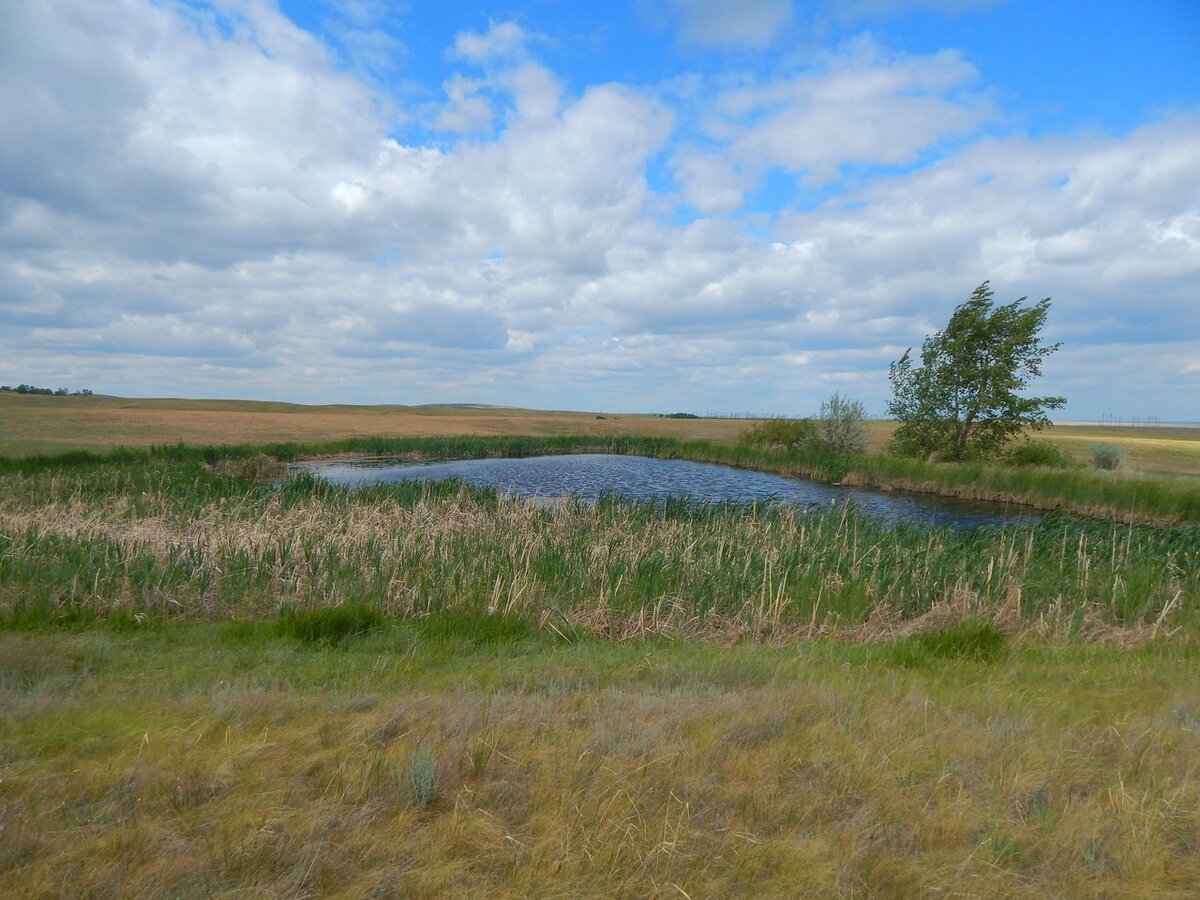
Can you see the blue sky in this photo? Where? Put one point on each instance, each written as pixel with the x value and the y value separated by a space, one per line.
pixel 652 206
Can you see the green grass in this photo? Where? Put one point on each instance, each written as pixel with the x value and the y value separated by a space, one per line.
pixel 975 640
pixel 164 539
pixel 214 682
pixel 329 625
pixel 196 759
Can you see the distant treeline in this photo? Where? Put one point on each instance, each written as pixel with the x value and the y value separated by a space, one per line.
pixel 30 389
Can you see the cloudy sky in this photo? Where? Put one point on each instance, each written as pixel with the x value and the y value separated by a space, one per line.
pixel 652 205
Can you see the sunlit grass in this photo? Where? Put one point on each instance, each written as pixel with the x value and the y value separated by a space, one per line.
pixel 194 759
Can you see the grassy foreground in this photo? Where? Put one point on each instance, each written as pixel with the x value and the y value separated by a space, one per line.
pixel 209 760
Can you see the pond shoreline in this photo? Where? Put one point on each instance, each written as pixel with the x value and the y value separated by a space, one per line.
pixel 793 465
pixel 1124 497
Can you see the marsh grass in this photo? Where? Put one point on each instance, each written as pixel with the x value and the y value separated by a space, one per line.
pixel 976 640
pixel 142 544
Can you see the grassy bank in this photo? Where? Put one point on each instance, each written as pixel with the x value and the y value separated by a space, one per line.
pixel 185 538
pixel 1081 491
pixel 208 760
pixel 1085 492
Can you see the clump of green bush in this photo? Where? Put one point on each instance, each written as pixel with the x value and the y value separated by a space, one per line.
pixel 790 434
pixel 329 625
pixel 1106 456
pixel 841 426
pixel 1039 453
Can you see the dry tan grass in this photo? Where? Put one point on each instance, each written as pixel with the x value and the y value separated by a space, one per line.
pixel 647 772
pixel 40 423
pixel 1171 450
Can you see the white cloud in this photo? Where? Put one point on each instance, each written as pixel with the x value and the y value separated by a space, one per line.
pixel 468 109
pixel 215 201
pixel 863 107
pixel 711 182
pixel 502 40
pixel 749 23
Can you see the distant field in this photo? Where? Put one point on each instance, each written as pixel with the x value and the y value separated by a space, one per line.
pixel 1168 449
pixel 38 424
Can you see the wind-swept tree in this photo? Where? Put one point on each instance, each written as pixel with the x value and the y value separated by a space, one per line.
pixel 962 402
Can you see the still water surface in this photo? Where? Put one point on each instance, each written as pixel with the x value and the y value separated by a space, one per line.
pixel 590 476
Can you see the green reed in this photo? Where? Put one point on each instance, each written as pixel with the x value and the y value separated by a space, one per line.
pixel 188 538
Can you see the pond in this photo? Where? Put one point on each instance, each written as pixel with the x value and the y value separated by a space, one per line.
pixel 590 476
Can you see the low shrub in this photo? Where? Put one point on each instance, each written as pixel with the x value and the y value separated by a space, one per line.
pixel 1039 453
pixel 1106 456
pixel 840 427
pixel 422 776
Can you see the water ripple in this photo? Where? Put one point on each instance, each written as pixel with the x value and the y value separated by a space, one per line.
pixel 590 476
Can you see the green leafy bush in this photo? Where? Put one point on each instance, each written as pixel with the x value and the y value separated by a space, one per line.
pixel 840 427
pixel 787 433
pixel 1106 456
pixel 1039 453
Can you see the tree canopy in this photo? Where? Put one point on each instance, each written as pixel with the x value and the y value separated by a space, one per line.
pixel 962 402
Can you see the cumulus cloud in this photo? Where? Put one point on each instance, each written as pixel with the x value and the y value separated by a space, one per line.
pixel 862 107
pixel 468 109
pixel 266 184
pixel 214 198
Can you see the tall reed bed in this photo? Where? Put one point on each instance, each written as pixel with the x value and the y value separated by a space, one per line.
pixel 186 539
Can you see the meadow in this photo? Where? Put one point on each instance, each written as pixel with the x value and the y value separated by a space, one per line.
pixel 216 680
pixel 232 760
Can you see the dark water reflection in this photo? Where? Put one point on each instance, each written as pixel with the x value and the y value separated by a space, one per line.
pixel 592 475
